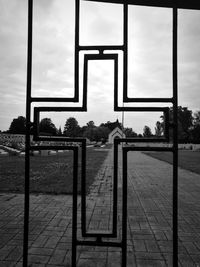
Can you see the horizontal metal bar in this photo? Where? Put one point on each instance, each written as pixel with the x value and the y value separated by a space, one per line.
pixel 101 56
pixel 54 99
pixel 141 140
pixel 59 109
pixel 182 4
pixel 101 47
pixel 153 148
pixel 58 139
pixel 99 244
pixel 142 109
pixel 35 148
pixel 148 100
pixel 99 234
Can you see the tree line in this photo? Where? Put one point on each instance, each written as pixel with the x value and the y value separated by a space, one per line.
pixel 188 127
pixel 71 129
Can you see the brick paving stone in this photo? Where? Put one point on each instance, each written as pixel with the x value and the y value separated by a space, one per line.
pixel 191 248
pixel 8 264
pixel 114 259
pixel 5 251
pixel 151 263
pixel 186 260
pixel 152 246
pixel 64 245
pixel 40 241
pixel 91 263
pixel 139 245
pixel 15 254
pixel 52 242
pixel 38 259
pixel 196 259
pixel 41 251
pixel 57 257
pixel 149 256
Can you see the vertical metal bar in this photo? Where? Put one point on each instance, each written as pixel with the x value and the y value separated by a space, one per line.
pixel 125 52
pixel 124 207
pixel 115 82
pixel 125 93
pixel 175 139
pixel 74 206
pixel 115 185
pixel 83 191
pixel 27 149
pixel 85 78
pixel 76 56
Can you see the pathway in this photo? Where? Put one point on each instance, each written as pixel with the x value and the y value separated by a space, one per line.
pixel 149 220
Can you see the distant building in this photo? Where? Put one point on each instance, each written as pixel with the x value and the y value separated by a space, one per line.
pixel 116 133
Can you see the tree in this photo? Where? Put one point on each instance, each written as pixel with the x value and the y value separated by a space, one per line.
pixel 90 124
pixel 88 130
pixel 18 125
pixel 59 131
pixel 72 128
pixel 101 133
pixel 195 132
pixel 147 131
pixel 129 132
pixel 185 123
pixel 197 118
pixel 112 125
pixel 89 133
pixel 158 129
pixel 46 126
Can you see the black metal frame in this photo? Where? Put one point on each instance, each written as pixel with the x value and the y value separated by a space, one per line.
pixel 182 4
pixel 101 55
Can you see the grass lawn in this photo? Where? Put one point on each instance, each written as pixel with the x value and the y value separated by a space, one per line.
pixel 189 160
pixel 48 174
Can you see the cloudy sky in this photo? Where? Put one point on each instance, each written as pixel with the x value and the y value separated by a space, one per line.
pixel 150 54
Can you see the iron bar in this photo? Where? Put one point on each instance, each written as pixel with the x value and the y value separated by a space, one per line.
pixel 153 148
pixel 101 47
pixel 182 4
pixel 142 140
pixel 115 187
pixel 83 190
pixel 148 100
pixel 56 147
pixel 115 81
pixel 27 143
pixel 175 138
pixel 99 244
pixel 59 109
pixel 76 56
pixel 125 51
pixel 57 139
pixel 141 109
pixel 53 99
pixel 74 205
pixel 124 205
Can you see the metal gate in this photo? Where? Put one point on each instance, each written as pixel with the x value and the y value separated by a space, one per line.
pixel 174 5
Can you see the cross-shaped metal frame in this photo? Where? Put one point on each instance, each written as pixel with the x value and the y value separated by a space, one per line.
pixel 174 5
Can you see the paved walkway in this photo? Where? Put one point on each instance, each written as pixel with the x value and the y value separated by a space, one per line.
pixel 149 220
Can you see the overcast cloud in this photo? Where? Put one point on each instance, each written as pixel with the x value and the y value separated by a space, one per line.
pixel 150 53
